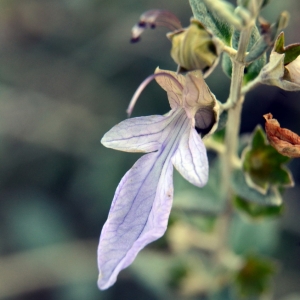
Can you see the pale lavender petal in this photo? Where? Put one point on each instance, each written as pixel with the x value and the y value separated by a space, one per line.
pixel 143 134
pixel 138 215
pixel 141 206
pixel 190 158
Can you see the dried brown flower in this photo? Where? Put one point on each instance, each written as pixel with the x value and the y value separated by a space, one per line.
pixel 285 141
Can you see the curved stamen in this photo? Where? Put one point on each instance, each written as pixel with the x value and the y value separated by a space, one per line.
pixel 144 84
pixel 152 19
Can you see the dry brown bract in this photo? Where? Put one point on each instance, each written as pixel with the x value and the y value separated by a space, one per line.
pixel 283 140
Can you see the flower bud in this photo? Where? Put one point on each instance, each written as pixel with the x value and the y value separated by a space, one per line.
pixel 193 48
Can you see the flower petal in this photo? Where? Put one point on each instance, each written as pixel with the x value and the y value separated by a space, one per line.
pixel 138 215
pixel 196 94
pixel 143 134
pixel 173 91
pixel 190 159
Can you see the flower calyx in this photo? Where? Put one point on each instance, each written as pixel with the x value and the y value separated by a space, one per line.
pixel 283 69
pixel 193 48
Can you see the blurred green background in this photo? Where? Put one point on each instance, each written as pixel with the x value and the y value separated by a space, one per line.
pixel 67 73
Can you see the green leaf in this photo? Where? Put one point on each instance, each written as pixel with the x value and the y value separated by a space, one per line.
pixel 291 51
pixel 212 21
pixel 246 236
pixel 263 165
pixel 268 37
pixel 279 43
pixel 254 277
pixel 243 190
pixel 253 69
pixel 259 48
pixel 255 35
pixel 227 65
pixel 256 211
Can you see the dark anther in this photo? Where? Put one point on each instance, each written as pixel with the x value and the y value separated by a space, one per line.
pixel 134 40
pixel 142 24
pixel 152 26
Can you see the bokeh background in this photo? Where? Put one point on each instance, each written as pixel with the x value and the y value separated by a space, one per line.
pixel 67 73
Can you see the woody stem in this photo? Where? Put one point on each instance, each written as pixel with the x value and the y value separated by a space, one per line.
pixel 234 113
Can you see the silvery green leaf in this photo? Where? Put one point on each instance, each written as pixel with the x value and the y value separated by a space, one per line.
pixel 267 38
pixel 213 20
pixel 252 70
pixel 253 6
pixel 227 65
pixel 241 188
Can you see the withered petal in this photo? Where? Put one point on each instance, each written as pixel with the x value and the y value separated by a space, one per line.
pixel 285 141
